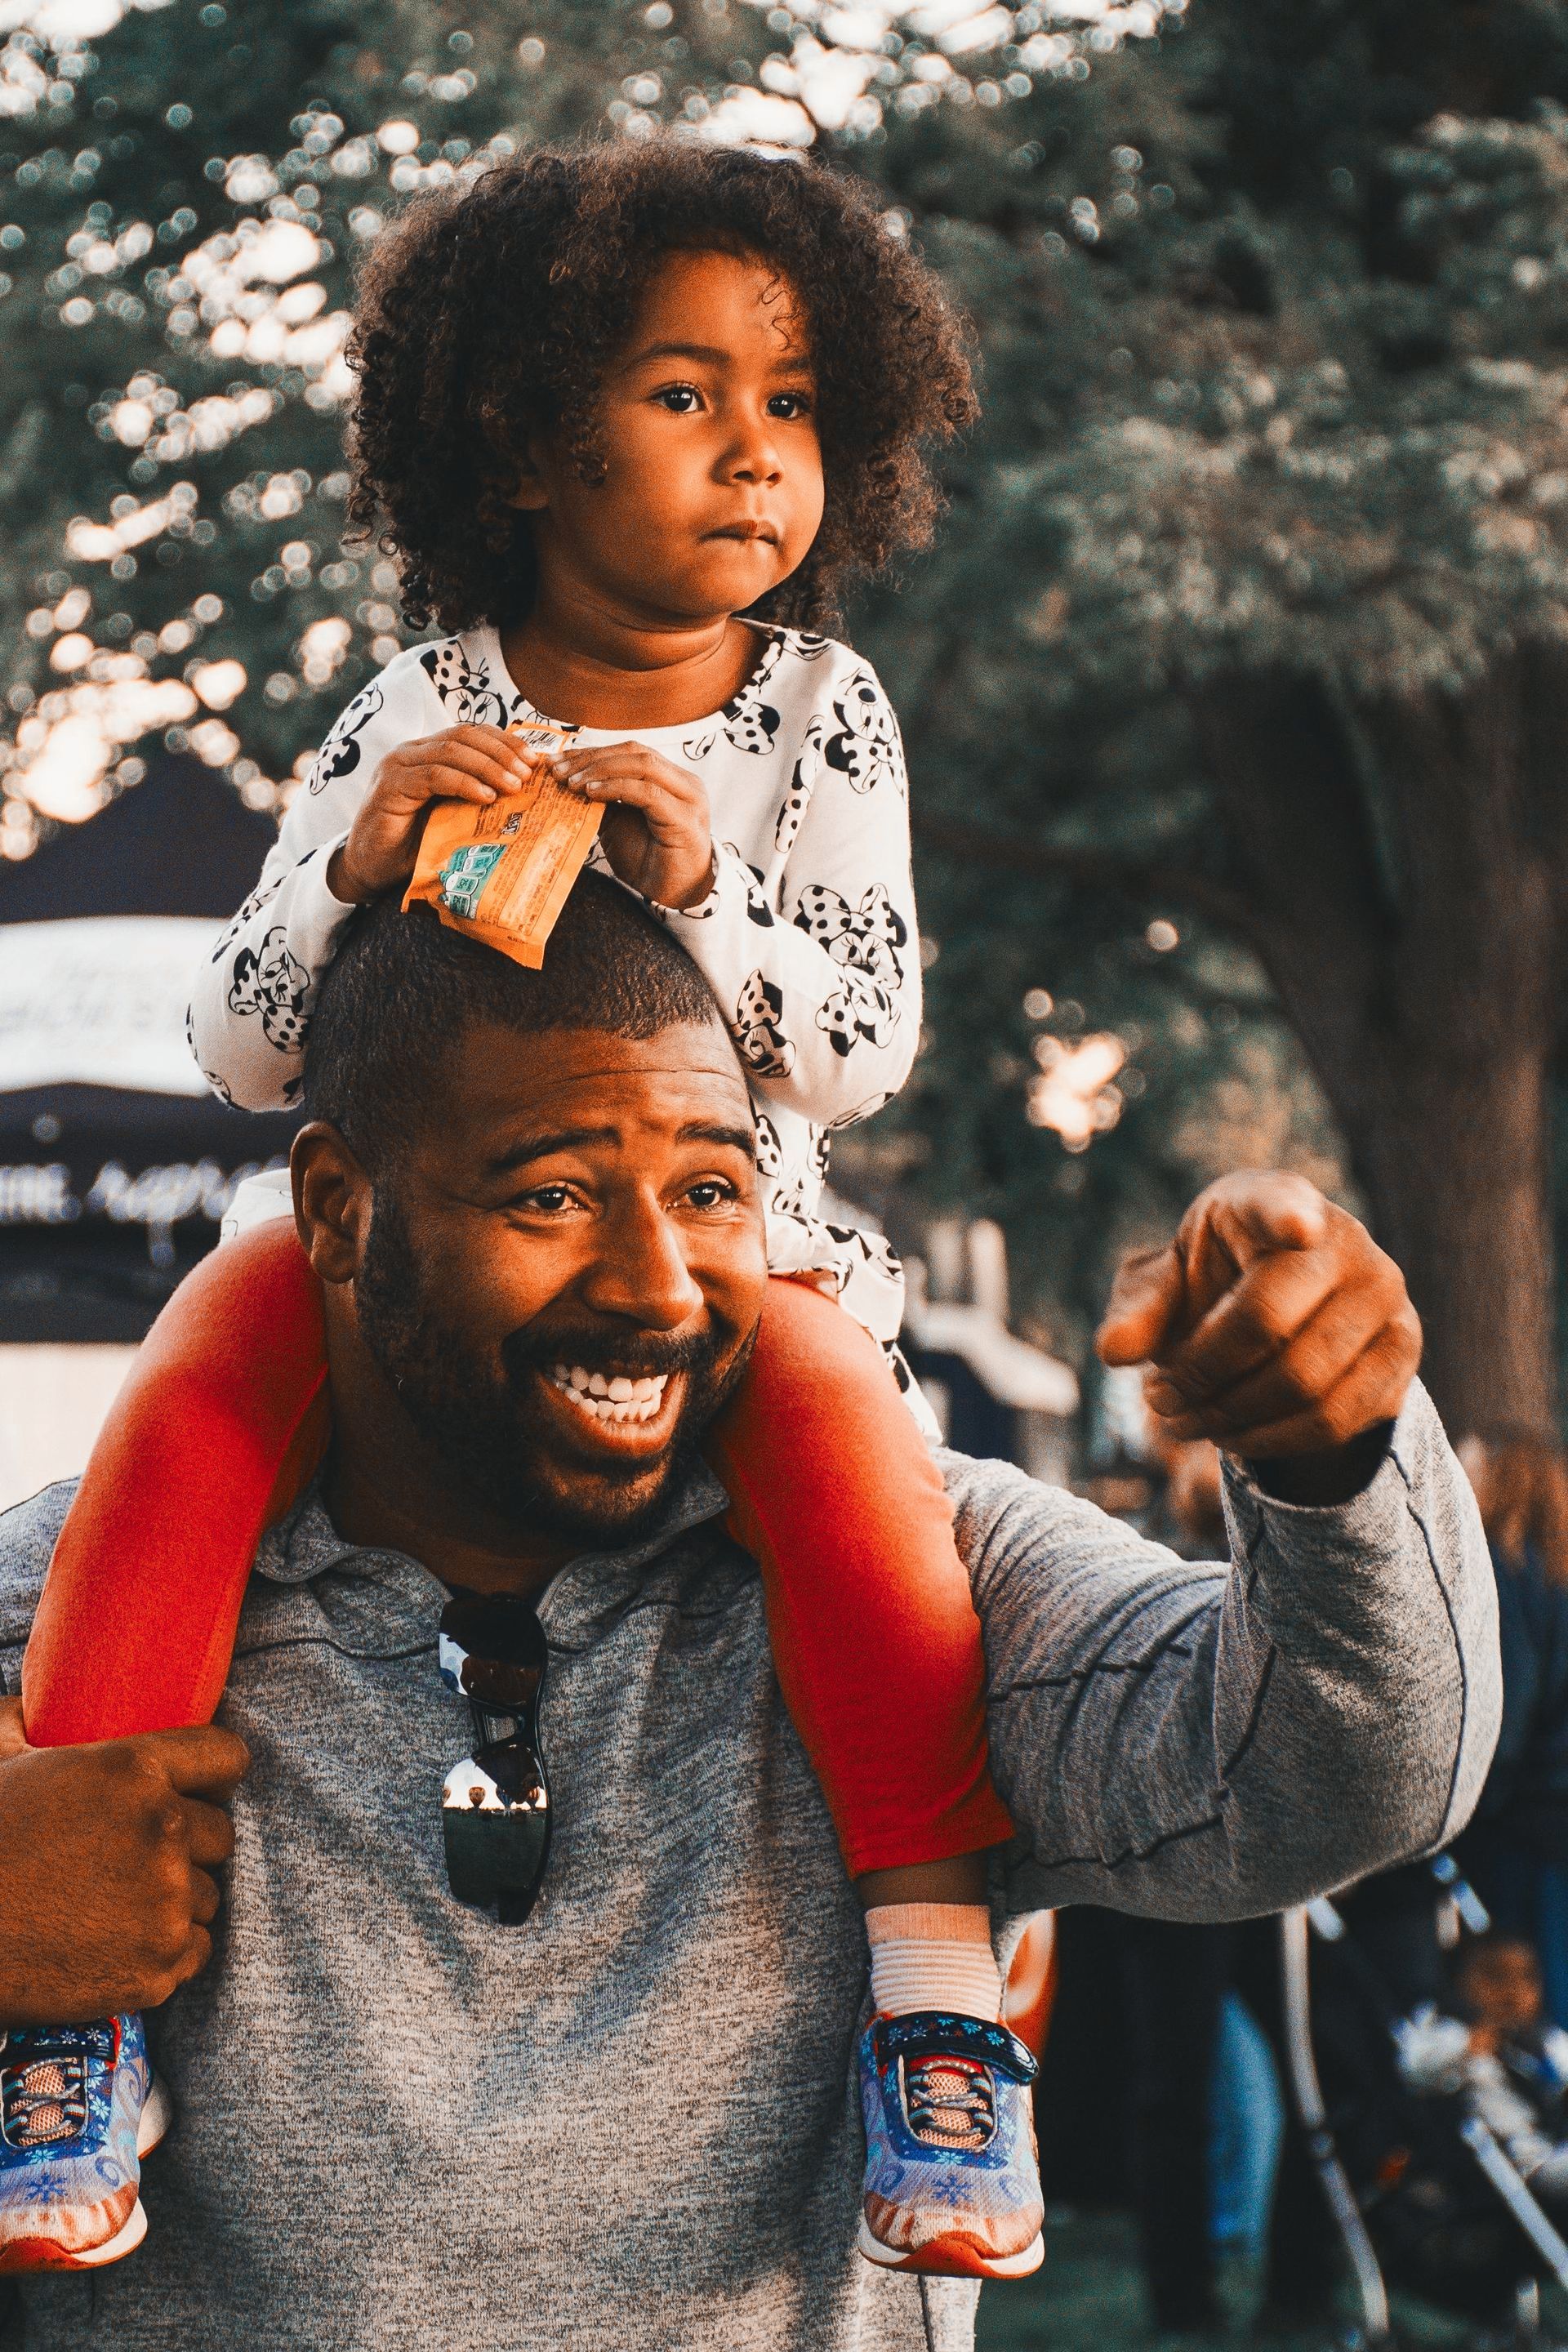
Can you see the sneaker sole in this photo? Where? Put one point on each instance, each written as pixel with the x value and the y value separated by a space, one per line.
pixel 157 2114
pixel 951 2257
pixel 47 2254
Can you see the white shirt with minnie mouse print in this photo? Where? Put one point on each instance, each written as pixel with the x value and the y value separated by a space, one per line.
pixel 807 938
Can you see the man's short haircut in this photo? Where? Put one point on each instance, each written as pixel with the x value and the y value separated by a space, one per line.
pixel 404 988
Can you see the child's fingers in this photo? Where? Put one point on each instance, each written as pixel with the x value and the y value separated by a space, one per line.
pixel 454 784
pixel 462 773
pixel 494 742
pixel 632 789
pixel 574 757
pixel 605 762
pixel 616 762
pixel 494 763
pixel 479 751
pixel 660 794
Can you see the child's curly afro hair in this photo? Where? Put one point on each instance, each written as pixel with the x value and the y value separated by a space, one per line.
pixel 494 309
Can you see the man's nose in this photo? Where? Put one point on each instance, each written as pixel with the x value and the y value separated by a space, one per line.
pixel 640 1273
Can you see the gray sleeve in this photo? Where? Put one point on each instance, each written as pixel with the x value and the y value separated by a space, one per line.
pixel 1204 1743
pixel 28 1535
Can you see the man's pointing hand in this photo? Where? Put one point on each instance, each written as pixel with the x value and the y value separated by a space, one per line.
pixel 1272 1324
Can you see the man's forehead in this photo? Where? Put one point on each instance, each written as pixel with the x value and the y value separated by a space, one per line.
pixel 501 1076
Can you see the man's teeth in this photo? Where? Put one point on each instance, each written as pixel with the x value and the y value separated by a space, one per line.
pixel 617 1400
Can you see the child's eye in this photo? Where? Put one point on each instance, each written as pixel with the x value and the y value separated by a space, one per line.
pixel 680 399
pixel 790 405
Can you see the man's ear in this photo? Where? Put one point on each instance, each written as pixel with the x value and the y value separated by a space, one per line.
pixel 331 1201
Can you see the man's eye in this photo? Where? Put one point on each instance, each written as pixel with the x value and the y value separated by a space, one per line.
pixel 712 1193
pixel 549 1198
pixel 680 399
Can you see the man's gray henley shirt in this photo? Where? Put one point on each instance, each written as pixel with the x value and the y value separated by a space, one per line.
pixel 632 2124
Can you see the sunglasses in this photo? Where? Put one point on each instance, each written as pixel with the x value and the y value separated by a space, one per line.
pixel 495 1804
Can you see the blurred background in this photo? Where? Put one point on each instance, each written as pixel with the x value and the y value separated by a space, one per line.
pixel 1235 691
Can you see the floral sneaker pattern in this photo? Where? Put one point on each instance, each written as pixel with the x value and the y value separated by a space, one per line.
pixel 952 2179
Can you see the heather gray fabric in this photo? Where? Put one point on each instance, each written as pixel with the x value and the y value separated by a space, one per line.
pixel 632 2125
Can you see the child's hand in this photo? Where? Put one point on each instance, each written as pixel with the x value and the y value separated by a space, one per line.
pixel 461 763
pixel 655 833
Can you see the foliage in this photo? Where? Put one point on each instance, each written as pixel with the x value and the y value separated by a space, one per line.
pixel 1322 427
pixel 1274 313
pixel 1275 338
pixel 186 189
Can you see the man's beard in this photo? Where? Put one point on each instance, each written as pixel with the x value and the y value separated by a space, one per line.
pixel 484 1423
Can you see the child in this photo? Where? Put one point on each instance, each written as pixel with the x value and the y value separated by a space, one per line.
pixel 628 416
pixel 1515 2069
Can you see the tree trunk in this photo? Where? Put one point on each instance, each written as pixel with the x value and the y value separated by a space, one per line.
pixel 1412 887
pixel 1455 1166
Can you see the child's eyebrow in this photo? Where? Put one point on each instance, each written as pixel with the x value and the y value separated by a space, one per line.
pixel 707 352
pixel 710 355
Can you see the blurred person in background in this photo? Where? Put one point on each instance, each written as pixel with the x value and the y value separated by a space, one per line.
pixel 1511 1984
pixel 1168 1980
pixel 1516 1852
pixel 1517 2059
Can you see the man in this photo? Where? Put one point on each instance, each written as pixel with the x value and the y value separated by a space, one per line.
pixel 631 2122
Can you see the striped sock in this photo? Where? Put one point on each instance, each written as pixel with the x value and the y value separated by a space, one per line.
pixel 933 1956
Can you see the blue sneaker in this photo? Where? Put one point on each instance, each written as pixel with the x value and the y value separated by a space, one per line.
pixel 953 2179
pixel 78 2110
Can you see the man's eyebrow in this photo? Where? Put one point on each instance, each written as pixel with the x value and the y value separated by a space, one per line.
pixel 547 1142
pixel 543 1145
pixel 729 1138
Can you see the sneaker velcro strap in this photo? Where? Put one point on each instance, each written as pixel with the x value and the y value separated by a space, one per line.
pixel 26 2044
pixel 943 2033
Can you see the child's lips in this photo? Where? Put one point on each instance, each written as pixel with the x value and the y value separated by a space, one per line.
pixel 767 532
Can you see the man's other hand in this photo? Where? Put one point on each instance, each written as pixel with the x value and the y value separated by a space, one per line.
pixel 106 1855
pixel 1272 1324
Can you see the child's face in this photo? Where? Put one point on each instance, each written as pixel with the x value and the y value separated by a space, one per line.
pixel 712 489
pixel 1502 1981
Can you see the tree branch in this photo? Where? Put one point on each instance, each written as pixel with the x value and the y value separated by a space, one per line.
pixel 1132 877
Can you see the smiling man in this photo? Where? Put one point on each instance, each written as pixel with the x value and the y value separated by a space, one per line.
pixel 539 1301
pixel 632 2121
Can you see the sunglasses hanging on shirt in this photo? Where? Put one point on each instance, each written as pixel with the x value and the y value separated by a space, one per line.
pixel 495 1804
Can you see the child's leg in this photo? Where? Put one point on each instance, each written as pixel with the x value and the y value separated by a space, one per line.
pixel 875 1638
pixel 220 1424
pixel 878 1653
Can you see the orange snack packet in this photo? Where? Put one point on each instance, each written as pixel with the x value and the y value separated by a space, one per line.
pixel 502 873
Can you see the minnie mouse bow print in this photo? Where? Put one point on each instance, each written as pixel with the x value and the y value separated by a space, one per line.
pixel 868 937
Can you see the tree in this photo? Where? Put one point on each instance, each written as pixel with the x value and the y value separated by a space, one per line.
pixel 1255 599
pixel 1264 506
pixel 184 193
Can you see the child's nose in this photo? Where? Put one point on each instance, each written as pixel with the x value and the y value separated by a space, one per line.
pixel 755 457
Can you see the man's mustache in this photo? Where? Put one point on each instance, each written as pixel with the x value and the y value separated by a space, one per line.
pixel 617 1357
